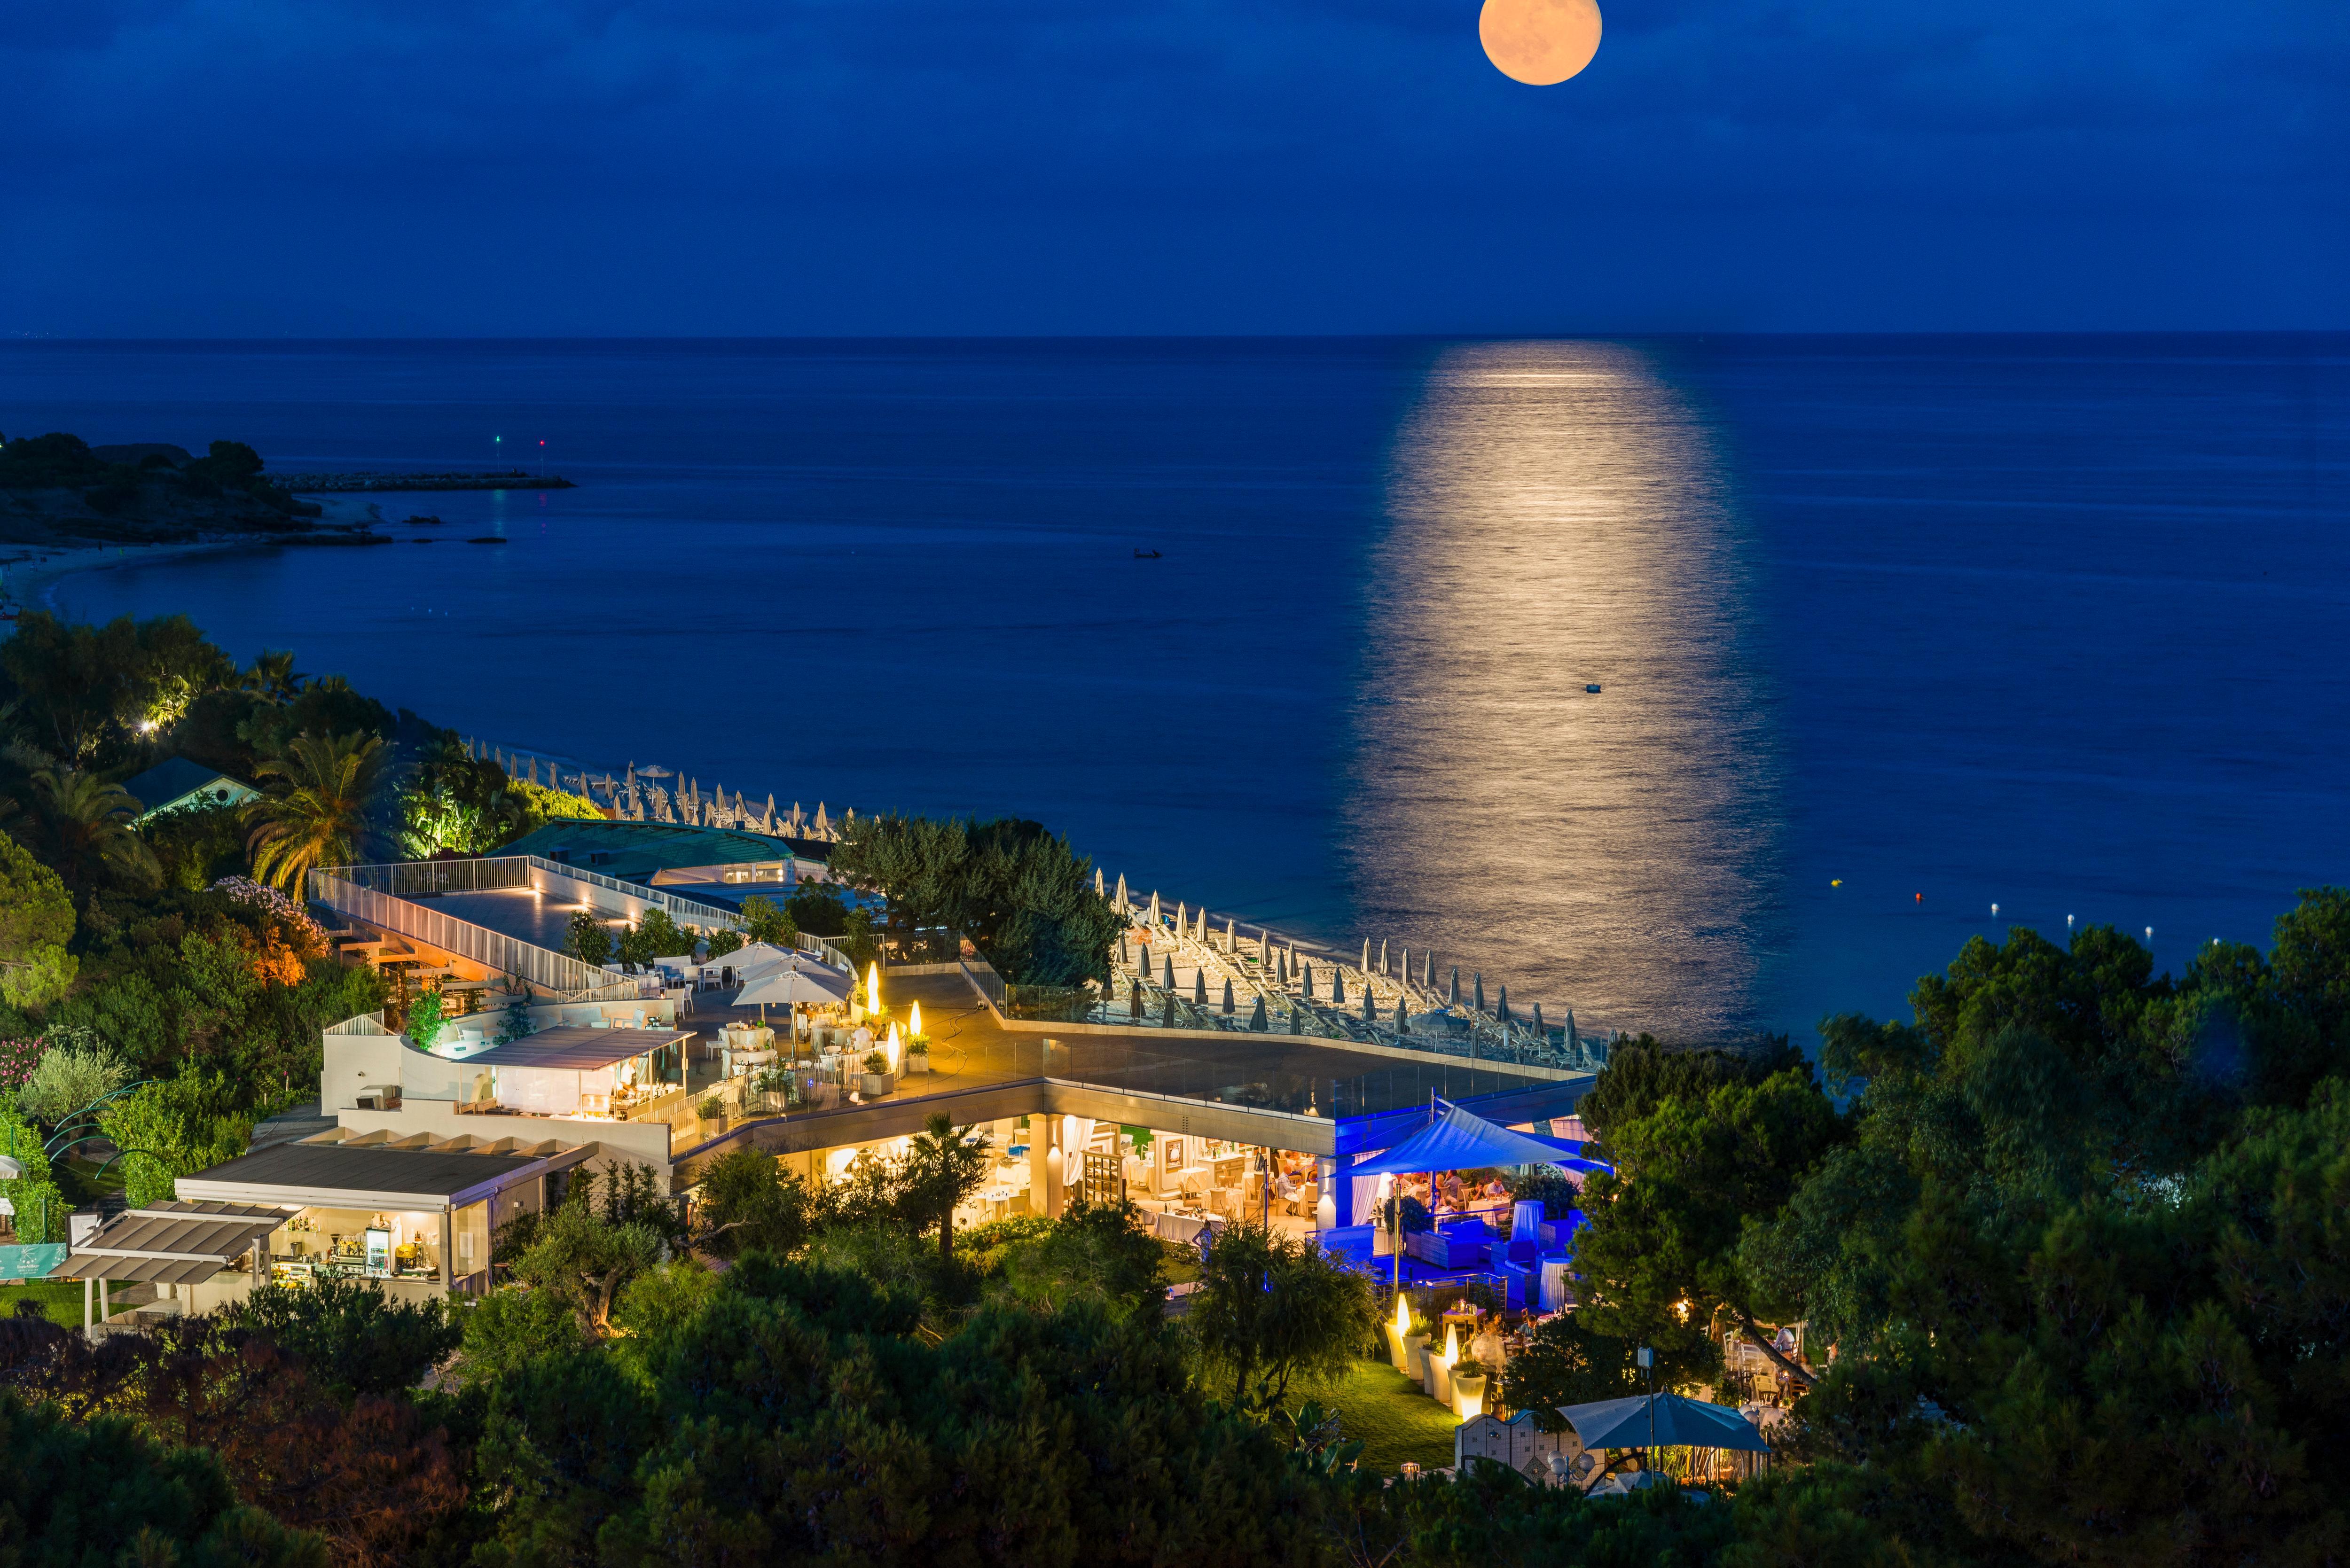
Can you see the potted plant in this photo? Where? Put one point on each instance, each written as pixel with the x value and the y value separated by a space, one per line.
pixel 1468 1388
pixel 918 1054
pixel 876 1081
pixel 713 1117
pixel 1398 1216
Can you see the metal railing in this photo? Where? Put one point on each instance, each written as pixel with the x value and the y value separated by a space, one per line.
pixel 982 974
pixel 565 977
pixel 500 873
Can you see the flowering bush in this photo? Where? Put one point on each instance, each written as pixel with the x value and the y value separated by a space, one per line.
pixel 17 1060
pixel 279 907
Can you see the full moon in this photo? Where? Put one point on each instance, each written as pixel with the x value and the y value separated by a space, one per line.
pixel 1539 42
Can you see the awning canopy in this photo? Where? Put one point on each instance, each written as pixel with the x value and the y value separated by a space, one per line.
pixel 170 1243
pixel 1461 1140
pixel 1680 1423
pixel 576 1045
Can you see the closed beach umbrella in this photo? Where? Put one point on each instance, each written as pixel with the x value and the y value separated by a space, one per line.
pixel 1370 1009
pixel 1403 1022
pixel 1479 980
pixel 1505 1004
pixel 1309 982
pixel 1454 999
pixel 1383 956
pixel 1541 1036
pixel 1200 986
pixel 1264 945
pixel 1428 971
pixel 1574 1042
pixel 1256 1017
pixel 1337 986
pixel 1154 908
pixel 1168 984
pixel 1122 901
pixel 1366 955
pixel 1099 891
pixel 1228 945
pixel 1137 1013
pixel 1167 1011
pixel 1228 999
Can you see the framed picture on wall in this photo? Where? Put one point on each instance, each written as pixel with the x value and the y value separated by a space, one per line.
pixel 1175 1153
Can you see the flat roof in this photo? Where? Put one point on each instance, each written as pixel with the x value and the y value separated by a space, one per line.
pixel 635 850
pixel 372 1175
pixel 576 1045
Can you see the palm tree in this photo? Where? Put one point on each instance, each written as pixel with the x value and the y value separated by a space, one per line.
pixel 945 1166
pixel 272 678
pixel 86 826
pixel 321 789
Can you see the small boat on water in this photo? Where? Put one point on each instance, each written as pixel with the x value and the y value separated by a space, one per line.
pixel 1146 555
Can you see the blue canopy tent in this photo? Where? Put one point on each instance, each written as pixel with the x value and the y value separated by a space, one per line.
pixel 1461 1140
pixel 1456 1139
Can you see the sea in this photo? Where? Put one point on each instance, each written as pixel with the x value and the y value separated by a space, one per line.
pixel 1699 685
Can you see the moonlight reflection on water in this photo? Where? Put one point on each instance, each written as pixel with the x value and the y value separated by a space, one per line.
pixel 1558 518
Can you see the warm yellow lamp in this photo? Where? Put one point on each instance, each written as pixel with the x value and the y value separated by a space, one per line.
pixel 1403 1317
pixel 914 1021
pixel 891 1048
pixel 1451 1344
pixel 873 986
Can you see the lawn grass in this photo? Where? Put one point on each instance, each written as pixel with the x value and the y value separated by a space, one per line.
pixel 1392 1417
pixel 60 1300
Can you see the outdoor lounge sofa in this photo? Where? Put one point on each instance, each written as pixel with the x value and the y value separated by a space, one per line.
pixel 1462 1246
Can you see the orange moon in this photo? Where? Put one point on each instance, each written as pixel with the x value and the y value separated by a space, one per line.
pixel 1539 42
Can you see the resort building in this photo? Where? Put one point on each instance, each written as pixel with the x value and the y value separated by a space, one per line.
pixel 419 1150
pixel 697 861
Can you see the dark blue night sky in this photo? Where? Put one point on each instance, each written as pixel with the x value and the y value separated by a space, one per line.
pixel 1192 166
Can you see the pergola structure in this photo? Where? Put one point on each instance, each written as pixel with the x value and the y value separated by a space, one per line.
pixel 174 1243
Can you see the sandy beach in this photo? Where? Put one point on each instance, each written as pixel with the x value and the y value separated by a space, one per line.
pixel 29 574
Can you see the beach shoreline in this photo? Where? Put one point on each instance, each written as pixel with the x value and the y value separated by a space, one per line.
pixel 30 574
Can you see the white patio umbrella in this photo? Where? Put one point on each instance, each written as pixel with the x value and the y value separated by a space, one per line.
pixel 792 982
pixel 749 960
pixel 789 985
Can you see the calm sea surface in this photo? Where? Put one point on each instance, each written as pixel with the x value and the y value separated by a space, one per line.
pixel 2055 624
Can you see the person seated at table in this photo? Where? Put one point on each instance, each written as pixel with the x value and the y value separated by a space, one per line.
pixel 862 1040
pixel 1497 1187
pixel 1284 1188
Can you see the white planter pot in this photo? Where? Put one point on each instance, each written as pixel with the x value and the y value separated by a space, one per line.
pixel 873 1085
pixel 918 1063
